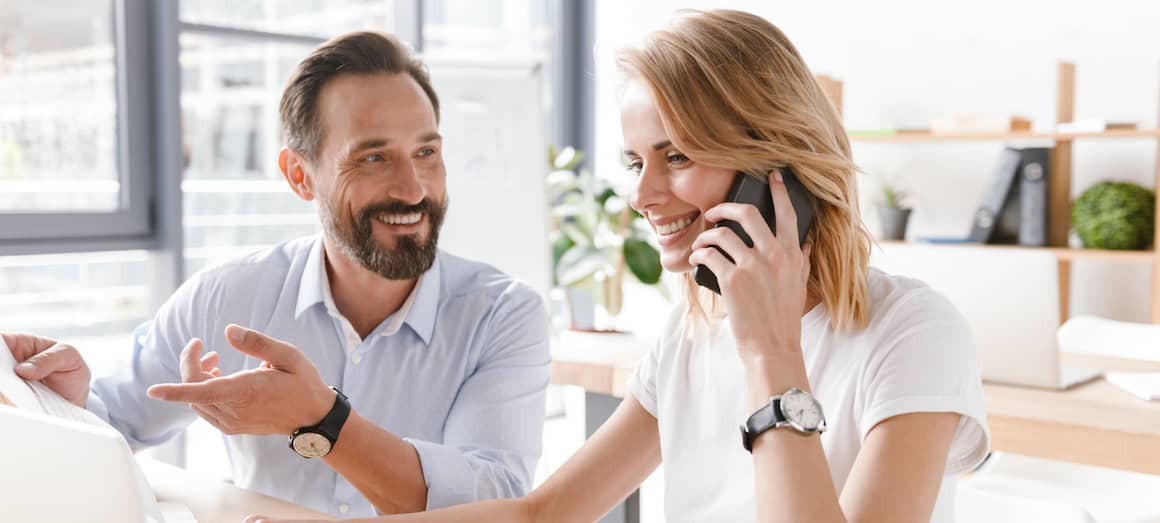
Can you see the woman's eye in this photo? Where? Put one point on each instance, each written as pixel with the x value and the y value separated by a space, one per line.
pixel 634 166
pixel 677 158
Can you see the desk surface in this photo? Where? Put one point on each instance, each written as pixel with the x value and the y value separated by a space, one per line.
pixel 212 501
pixel 1096 423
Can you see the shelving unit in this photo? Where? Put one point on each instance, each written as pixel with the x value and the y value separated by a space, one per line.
pixel 1059 185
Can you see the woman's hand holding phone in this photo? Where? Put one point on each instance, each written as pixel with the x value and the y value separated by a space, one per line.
pixel 764 288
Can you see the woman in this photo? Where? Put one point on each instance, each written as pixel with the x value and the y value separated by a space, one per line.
pixel 889 362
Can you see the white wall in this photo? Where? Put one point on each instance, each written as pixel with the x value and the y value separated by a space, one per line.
pixel 906 62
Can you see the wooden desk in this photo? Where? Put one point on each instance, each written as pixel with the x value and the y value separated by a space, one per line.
pixel 212 501
pixel 1095 423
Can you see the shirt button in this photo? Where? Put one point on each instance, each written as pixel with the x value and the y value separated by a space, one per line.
pixel 357 358
pixel 344 508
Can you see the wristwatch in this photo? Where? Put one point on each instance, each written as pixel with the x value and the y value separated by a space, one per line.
pixel 317 440
pixel 795 409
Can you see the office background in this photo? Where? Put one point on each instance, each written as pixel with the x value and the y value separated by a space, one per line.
pixel 138 137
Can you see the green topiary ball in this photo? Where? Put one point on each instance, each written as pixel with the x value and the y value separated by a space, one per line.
pixel 1115 215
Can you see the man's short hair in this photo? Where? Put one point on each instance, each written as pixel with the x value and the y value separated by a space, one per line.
pixel 363 52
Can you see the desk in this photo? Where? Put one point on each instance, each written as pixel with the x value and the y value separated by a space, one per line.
pixel 1095 423
pixel 213 501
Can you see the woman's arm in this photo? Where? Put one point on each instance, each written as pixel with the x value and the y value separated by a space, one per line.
pixel 895 478
pixel 610 465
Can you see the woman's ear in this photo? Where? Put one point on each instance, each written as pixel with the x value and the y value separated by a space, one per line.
pixel 293 167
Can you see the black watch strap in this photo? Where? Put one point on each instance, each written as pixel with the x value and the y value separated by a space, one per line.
pixel 765 418
pixel 332 424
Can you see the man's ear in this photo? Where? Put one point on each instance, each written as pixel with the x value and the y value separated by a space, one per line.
pixel 293 167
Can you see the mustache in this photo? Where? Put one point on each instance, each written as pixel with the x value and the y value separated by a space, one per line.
pixel 425 206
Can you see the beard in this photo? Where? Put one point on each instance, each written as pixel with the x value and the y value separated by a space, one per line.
pixel 411 256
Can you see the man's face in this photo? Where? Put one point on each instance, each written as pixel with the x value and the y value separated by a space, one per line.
pixel 379 175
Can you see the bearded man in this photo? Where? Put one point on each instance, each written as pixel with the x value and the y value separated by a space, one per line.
pixel 411 379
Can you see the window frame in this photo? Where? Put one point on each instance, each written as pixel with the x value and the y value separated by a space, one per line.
pixel 131 226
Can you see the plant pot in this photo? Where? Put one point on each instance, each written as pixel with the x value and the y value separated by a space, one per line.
pixel 892 222
pixel 587 314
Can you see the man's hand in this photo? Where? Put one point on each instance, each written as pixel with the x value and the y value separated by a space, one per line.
pixel 59 366
pixel 280 396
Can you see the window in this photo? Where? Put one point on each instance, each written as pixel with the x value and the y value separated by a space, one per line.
pixel 69 167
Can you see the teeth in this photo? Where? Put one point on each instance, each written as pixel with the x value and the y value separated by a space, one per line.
pixel 670 228
pixel 400 219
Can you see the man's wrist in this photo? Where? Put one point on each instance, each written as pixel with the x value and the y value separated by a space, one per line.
pixel 321 405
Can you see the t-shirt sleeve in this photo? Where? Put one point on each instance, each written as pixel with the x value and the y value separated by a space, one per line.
pixel 926 362
pixel 643 383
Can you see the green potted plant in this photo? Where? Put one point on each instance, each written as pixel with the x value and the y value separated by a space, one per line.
pixel 893 212
pixel 1115 215
pixel 597 239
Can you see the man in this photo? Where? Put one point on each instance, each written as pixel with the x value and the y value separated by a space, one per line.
pixel 444 361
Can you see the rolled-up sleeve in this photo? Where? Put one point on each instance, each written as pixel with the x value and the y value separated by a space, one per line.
pixel 494 432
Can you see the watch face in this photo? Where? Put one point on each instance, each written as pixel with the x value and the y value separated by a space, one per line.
pixel 800 409
pixel 311 445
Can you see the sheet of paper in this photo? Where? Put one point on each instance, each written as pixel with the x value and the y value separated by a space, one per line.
pixel 16 390
pixel 36 396
pixel 1145 385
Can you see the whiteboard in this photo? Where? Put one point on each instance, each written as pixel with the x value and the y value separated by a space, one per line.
pixel 495 144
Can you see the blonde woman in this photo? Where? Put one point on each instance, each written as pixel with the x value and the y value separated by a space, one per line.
pixel 883 362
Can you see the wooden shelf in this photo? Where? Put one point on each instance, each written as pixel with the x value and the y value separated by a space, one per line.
pixel 855 136
pixel 1062 253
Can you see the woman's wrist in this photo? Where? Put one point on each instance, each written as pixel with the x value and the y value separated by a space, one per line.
pixel 772 374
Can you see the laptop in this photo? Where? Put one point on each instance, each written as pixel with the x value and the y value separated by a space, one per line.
pixel 58 470
pixel 1010 297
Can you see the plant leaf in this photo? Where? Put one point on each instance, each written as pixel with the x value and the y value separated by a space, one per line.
pixel 578 263
pixel 561 245
pixel 643 260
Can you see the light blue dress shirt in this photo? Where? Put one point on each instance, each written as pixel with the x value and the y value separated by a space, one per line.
pixel 462 378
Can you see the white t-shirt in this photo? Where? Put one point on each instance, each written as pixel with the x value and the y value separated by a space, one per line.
pixel 916 355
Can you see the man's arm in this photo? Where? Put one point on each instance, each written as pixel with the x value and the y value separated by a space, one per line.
pixel 491 438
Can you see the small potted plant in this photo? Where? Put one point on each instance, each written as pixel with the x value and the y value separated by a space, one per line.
pixel 597 239
pixel 893 212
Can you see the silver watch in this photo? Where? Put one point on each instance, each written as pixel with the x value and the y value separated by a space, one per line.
pixel 796 409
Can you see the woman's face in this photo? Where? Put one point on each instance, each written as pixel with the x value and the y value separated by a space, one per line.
pixel 672 192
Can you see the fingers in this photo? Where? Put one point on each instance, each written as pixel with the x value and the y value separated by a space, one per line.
pixel 58 358
pixel 253 343
pixel 24 346
pixel 715 261
pixel 212 391
pixel 783 211
pixel 748 216
pixel 722 237
pixel 191 361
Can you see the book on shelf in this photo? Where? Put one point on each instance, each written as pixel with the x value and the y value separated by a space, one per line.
pixel 988 213
pixel 1094 125
pixel 1014 206
pixel 980 123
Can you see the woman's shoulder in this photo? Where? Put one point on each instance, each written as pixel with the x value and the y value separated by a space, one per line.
pixel 895 299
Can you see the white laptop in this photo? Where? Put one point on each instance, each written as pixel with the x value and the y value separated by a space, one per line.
pixel 57 471
pixel 62 464
pixel 1010 297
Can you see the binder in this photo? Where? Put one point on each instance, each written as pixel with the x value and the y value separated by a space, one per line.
pixel 987 215
pixel 1033 196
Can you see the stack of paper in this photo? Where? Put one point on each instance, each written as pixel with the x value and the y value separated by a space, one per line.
pixel 1146 385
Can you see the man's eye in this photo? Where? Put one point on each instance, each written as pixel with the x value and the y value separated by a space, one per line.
pixel 426 151
pixel 374 157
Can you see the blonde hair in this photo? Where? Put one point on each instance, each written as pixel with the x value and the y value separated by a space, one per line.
pixel 733 92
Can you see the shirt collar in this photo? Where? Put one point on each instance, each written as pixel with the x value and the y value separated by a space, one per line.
pixel 418 311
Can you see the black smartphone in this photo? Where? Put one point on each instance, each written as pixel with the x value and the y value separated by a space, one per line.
pixel 749 189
